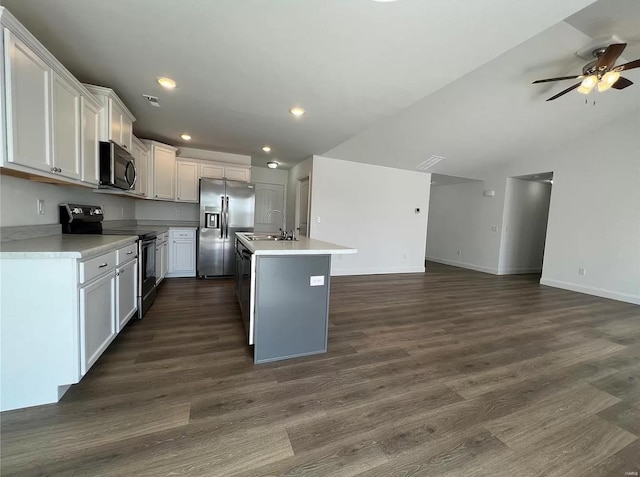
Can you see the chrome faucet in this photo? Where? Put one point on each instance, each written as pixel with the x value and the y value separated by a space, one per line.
pixel 283 231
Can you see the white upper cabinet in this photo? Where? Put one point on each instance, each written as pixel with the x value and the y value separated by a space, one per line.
pixel 187 181
pixel 89 141
pixel 237 174
pixel 51 118
pixel 162 164
pixel 66 128
pixel 28 91
pixel 141 155
pixel 116 121
pixel 212 171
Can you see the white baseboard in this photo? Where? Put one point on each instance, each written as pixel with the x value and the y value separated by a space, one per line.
pixel 601 292
pixel 518 271
pixel 470 266
pixel 375 271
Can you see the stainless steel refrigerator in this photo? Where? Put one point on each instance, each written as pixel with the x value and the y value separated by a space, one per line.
pixel 226 207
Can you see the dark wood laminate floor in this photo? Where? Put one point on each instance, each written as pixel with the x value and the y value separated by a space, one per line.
pixel 451 372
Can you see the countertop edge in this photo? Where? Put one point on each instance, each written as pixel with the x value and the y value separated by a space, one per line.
pixel 329 251
pixel 74 254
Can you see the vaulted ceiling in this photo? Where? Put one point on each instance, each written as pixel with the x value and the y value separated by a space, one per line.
pixel 387 83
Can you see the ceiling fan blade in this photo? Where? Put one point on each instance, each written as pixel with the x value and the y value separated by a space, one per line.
pixel 628 66
pixel 556 79
pixel 622 83
pixel 610 55
pixel 562 93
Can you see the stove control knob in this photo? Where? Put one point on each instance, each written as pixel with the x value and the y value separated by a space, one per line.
pixel 98 212
pixel 76 210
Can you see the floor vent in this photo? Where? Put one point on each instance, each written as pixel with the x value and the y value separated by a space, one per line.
pixel 432 161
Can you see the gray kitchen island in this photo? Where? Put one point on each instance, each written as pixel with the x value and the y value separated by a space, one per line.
pixel 283 291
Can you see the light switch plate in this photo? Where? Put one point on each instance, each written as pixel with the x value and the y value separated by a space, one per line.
pixel 316 281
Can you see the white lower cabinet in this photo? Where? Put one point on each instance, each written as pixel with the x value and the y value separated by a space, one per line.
pixel 165 260
pixel 97 319
pixel 182 253
pixel 127 297
pixel 51 342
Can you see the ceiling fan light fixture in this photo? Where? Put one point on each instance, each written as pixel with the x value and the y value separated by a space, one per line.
pixel 608 80
pixel 587 84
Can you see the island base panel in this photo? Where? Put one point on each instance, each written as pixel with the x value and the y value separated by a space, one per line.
pixel 291 316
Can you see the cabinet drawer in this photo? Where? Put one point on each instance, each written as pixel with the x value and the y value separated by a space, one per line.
pixel 126 253
pixel 183 234
pixel 163 237
pixel 97 266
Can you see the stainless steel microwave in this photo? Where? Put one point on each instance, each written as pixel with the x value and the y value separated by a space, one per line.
pixel 117 167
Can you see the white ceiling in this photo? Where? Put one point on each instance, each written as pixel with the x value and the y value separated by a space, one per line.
pixel 241 64
pixel 494 113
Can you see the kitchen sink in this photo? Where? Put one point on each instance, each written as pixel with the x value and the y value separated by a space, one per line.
pixel 256 237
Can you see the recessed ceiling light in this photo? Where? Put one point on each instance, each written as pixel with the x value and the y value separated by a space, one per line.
pixel 186 137
pixel 266 149
pixel 297 111
pixel 272 164
pixel 167 83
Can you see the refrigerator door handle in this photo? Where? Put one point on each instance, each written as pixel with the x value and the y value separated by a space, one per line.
pixel 223 224
pixel 226 225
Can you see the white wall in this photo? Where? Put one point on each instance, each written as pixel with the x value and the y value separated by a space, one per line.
pixel 269 176
pixel 594 216
pixel 371 208
pixel 524 226
pixel 461 222
pixel 18 202
pixel 297 172
pixel 165 210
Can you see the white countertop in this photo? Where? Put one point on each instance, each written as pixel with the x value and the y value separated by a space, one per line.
pixel 302 246
pixel 64 246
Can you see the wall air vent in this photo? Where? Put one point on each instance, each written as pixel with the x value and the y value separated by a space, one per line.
pixel 152 100
pixel 432 161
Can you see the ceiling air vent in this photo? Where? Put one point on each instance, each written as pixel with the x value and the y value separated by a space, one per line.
pixel 432 161
pixel 152 100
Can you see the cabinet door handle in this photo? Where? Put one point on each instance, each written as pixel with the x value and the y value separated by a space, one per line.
pixel 103 265
pixel 130 252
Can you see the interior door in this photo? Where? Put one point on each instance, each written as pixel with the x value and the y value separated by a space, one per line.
pixel 268 197
pixel 240 206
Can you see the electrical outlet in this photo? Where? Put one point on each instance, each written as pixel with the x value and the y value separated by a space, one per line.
pixel 40 206
pixel 494 228
pixel 122 212
pixel 316 281
pixel 582 271
pixel 459 252
pixel 318 220
pixel 177 212
pixel 404 256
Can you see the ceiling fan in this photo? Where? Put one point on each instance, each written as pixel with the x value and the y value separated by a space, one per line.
pixel 600 72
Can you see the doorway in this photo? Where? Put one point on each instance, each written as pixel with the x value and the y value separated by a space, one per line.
pixel 302 206
pixel 525 218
